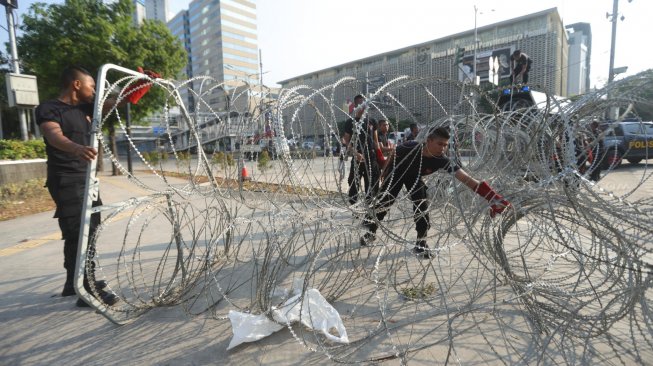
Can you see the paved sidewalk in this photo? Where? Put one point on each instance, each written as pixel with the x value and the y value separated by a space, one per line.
pixel 41 328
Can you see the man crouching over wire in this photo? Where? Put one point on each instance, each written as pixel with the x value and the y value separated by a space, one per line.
pixel 411 161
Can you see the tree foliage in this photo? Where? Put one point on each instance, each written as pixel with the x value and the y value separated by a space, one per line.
pixel 90 33
pixel 644 107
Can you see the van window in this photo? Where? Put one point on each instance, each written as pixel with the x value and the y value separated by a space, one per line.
pixel 632 128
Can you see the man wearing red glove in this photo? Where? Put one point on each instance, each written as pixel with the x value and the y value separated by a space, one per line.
pixel 405 168
pixel 66 126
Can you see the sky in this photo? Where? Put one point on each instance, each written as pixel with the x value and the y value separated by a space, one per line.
pixel 297 37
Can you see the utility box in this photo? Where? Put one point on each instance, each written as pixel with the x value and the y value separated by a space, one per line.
pixel 22 91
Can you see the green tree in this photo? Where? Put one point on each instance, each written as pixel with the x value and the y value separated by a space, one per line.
pixel 264 160
pixel 644 104
pixel 90 33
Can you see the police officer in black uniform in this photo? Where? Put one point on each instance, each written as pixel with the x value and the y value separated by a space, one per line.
pixel 405 168
pixel 66 126
pixel 364 163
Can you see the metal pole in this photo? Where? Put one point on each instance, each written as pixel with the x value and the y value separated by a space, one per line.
pixel 615 17
pixel 16 67
pixel 260 60
pixel 475 42
pixel 129 134
pixel 12 39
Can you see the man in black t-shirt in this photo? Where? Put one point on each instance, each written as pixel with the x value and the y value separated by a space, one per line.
pixel 360 138
pixel 521 66
pixel 411 161
pixel 66 126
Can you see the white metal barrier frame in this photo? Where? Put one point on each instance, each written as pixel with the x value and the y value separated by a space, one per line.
pixel 120 316
pixel 92 183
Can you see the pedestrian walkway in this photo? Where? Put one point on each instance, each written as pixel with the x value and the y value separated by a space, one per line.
pixel 39 327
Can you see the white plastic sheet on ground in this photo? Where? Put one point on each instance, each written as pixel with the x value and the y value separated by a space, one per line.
pixel 250 328
pixel 312 310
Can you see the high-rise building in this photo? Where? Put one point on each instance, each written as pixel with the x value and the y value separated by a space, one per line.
pixel 580 51
pixel 179 26
pixel 220 37
pixel 156 10
pixel 139 11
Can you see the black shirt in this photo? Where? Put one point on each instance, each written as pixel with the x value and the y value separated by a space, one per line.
pixel 410 163
pixel 75 122
pixel 383 139
pixel 522 60
pixel 365 142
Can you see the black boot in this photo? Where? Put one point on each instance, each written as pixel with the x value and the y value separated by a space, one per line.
pixel 367 239
pixel 422 249
pixel 107 298
pixel 69 286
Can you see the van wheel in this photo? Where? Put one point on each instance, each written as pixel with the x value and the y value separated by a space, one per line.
pixel 634 160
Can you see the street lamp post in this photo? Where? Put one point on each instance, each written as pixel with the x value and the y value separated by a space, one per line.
pixel 11 28
pixel 475 42
pixel 615 16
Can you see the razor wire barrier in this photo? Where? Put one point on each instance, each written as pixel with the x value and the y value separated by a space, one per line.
pixel 564 276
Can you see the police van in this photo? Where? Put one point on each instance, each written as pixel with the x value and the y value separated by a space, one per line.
pixel 629 139
pixel 523 97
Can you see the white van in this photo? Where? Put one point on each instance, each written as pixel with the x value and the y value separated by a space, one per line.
pixel 396 137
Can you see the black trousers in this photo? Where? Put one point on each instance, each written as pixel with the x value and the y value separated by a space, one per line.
pixel 597 163
pixel 370 179
pixel 387 196
pixel 67 192
pixel 519 68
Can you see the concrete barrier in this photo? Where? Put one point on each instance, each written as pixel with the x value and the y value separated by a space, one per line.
pixel 18 171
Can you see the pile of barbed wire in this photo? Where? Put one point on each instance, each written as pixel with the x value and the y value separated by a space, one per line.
pixel 561 277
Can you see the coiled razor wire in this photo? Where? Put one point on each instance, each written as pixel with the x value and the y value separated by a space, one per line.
pixel 562 277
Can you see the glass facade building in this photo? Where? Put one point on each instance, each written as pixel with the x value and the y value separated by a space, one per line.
pixel 220 37
pixel 580 51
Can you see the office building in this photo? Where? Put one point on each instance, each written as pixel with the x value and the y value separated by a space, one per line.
pixel 220 37
pixel 179 26
pixel 580 51
pixel 541 35
pixel 139 12
pixel 156 10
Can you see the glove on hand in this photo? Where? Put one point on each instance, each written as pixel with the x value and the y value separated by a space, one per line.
pixel 137 90
pixel 379 156
pixel 497 203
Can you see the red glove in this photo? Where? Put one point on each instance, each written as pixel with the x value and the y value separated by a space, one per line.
pixel 379 157
pixel 136 91
pixel 497 203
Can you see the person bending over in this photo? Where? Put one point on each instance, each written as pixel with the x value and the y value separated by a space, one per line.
pixel 411 161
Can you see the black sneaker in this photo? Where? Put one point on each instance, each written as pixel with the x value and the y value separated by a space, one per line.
pixel 109 298
pixel 68 291
pixel 106 297
pixel 81 303
pixel 422 250
pixel 367 239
